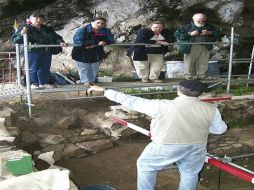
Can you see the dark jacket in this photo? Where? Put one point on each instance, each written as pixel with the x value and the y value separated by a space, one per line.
pixel 182 35
pixel 86 37
pixel 140 52
pixel 43 35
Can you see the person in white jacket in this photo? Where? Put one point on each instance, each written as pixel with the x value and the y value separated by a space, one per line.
pixel 179 130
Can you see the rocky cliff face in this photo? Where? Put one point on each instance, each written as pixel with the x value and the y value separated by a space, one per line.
pixel 125 18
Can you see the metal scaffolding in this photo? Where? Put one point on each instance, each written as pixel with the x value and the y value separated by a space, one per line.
pixel 29 92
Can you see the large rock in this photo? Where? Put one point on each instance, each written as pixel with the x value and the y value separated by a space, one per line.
pixel 29 138
pixel 50 139
pixel 96 146
pixel 9 116
pixel 229 11
pixel 68 122
pixel 72 150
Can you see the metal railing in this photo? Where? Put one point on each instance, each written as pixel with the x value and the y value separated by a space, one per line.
pixel 6 69
pixel 26 46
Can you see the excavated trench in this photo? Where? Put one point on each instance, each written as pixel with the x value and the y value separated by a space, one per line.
pixel 72 129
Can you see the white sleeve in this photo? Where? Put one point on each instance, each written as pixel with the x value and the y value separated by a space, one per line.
pixel 218 126
pixel 148 107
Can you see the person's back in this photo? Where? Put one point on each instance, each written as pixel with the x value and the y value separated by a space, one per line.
pixel 184 120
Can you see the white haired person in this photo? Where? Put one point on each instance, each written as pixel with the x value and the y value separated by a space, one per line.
pixel 196 56
pixel 39 58
pixel 179 131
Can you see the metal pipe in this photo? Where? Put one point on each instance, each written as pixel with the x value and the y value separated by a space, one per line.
pixel 126 44
pixel 230 59
pixel 10 69
pixel 7 52
pixel 242 156
pixel 250 67
pixel 18 67
pixel 28 85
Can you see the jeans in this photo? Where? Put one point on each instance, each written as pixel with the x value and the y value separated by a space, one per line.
pixel 39 64
pixel 87 71
pixel 189 159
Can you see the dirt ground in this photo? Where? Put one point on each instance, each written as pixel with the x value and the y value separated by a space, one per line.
pixel 116 166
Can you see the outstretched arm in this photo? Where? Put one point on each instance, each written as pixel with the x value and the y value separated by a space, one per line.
pixel 148 107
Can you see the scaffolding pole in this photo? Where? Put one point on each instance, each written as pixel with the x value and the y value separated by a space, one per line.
pixel 18 66
pixel 250 67
pixel 28 85
pixel 230 59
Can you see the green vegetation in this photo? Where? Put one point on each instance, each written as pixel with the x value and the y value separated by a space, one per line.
pixel 151 93
pixel 105 73
pixel 236 90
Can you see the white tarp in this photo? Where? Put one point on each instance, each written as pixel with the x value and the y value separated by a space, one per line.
pixel 175 69
pixel 53 179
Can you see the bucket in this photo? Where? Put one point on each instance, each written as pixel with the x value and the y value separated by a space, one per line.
pixel 175 69
pixel 135 75
pixel 105 79
pixel 97 187
pixel 213 68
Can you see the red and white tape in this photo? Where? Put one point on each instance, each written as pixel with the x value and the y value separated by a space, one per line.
pixel 216 99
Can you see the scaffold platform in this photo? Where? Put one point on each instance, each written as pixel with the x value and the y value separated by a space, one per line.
pixel 12 90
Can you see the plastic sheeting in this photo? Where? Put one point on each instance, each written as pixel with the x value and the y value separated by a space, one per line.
pixel 53 179
pixel 175 69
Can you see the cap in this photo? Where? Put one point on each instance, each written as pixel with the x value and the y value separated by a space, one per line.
pixel 193 85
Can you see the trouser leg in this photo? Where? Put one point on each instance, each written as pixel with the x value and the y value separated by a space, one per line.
pixel 94 69
pixel 202 63
pixel 156 61
pixel 83 71
pixel 142 69
pixel 153 159
pixel 190 60
pixel 33 67
pixel 44 68
pixel 190 166
pixel 146 174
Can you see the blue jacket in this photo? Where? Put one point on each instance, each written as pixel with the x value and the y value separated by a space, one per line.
pixel 86 37
pixel 144 35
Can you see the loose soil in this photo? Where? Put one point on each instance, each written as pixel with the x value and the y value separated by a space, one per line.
pixel 116 166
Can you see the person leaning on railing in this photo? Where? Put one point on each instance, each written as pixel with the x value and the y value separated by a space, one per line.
pixel 39 58
pixel 148 61
pixel 89 51
pixel 196 55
